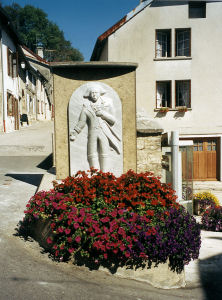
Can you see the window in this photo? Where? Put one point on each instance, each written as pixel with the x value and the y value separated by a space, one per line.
pixel 183 93
pixel 197 145
pixel 197 9
pixel 10 106
pixel 183 42
pixel 163 94
pixel 163 43
pixel 12 63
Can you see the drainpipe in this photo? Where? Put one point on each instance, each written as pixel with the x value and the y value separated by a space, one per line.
pixel 175 155
pixel 3 84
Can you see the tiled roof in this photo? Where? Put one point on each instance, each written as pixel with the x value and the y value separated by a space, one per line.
pixel 101 39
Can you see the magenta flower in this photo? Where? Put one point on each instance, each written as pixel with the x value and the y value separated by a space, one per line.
pixel 78 239
pixel 60 229
pixel 67 231
pixel 76 225
pixel 49 240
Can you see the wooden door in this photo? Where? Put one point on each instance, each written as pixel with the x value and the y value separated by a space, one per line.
pixel 205 159
pixel 16 113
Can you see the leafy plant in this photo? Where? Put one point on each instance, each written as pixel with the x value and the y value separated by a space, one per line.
pixel 164 109
pixel 204 200
pixel 133 219
pixel 212 218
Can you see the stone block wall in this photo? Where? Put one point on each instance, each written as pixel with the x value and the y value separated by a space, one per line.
pixel 149 154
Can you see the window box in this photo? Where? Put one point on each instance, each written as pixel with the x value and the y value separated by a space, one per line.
pixel 163 110
pixel 182 109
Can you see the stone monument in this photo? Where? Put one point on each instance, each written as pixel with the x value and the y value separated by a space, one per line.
pixel 95 117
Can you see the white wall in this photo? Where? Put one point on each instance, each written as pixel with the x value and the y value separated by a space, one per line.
pixel 135 42
pixel 10 84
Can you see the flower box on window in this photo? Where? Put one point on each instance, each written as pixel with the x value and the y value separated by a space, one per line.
pixel 182 108
pixel 164 110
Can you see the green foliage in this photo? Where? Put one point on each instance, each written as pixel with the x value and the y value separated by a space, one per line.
pixel 34 27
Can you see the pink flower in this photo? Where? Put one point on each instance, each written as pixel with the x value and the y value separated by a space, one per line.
pixel 121 231
pixel 69 239
pixel 54 204
pixel 49 240
pixel 105 255
pixel 53 225
pixel 78 239
pixel 76 225
pixel 82 212
pixel 104 220
pixel 127 254
pixel 60 229
pixel 67 231
pixel 71 250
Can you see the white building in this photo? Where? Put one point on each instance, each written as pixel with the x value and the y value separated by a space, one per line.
pixel 177 46
pixel 24 95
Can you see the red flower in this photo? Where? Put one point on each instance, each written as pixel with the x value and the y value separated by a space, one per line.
pixel 150 212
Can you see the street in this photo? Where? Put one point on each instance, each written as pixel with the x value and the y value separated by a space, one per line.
pixel 29 273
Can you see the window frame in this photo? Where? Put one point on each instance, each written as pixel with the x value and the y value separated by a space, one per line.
pixel 169 30
pixel 12 63
pixel 176 39
pixel 183 80
pixel 164 81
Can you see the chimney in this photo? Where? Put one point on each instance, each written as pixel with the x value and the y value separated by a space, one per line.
pixel 39 50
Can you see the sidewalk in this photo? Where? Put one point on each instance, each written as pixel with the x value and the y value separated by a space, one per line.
pixel 35 139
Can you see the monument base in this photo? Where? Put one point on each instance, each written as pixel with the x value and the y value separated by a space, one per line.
pixel 160 277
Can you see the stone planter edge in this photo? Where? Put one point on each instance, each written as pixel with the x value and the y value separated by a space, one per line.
pixel 159 277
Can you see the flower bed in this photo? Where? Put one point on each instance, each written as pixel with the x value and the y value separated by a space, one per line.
pixel 133 220
pixel 204 200
pixel 212 218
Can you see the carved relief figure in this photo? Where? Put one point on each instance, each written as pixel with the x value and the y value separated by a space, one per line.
pixel 98 114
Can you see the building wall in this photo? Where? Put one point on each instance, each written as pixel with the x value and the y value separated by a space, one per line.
pixel 1 84
pixel 10 84
pixel 204 69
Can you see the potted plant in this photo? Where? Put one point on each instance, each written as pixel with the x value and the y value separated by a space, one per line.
pixel 182 108
pixel 164 110
pixel 202 201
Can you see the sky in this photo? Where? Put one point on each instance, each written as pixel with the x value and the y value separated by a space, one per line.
pixel 82 21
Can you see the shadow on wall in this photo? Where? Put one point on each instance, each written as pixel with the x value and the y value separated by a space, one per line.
pixel 210 271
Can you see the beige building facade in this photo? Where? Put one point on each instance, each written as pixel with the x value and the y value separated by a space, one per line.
pixel 179 74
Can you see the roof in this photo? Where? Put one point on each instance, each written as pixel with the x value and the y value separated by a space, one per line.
pixel 30 54
pixel 103 37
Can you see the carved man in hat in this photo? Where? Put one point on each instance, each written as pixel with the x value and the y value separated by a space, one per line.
pixel 98 113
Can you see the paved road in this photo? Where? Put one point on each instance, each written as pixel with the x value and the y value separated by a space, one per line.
pixel 26 272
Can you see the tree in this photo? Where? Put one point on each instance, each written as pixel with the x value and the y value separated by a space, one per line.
pixel 34 28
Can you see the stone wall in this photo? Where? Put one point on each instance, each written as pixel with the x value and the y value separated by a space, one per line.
pixel 149 154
